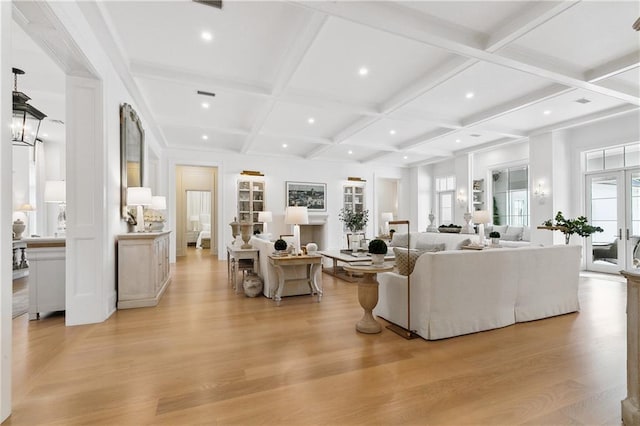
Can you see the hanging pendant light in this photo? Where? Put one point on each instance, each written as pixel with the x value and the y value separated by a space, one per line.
pixel 26 118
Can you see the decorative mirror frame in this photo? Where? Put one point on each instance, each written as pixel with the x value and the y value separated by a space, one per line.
pixel 131 133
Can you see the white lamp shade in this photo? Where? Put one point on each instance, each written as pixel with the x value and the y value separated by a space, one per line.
pixel 55 191
pixel 265 217
pixel 386 216
pixel 481 216
pixel 138 196
pixel 26 208
pixel 296 216
pixel 159 202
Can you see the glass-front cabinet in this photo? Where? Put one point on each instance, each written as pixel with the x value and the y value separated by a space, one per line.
pixel 353 198
pixel 250 202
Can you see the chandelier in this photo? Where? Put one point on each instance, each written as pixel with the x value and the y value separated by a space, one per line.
pixel 26 118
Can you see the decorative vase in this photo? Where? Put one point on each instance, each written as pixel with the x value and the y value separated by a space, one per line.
pixel 354 242
pixel 312 248
pixel 235 229
pixel 432 227
pixel 377 259
pixel 495 241
pixel 156 226
pixel 468 228
pixel 18 229
pixel 245 233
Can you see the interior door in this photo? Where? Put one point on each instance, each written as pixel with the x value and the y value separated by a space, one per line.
pixel 606 209
pixel 632 230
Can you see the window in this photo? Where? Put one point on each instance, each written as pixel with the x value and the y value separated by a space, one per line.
pixel 445 187
pixel 511 196
pixel 613 158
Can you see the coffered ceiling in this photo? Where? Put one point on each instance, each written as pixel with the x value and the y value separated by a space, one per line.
pixel 402 83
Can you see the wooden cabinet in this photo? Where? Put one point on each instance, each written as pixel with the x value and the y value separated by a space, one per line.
pixel 143 268
pixel 353 198
pixel 250 202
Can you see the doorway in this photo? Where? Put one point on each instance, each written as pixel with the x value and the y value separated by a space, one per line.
pixel 613 203
pixel 196 209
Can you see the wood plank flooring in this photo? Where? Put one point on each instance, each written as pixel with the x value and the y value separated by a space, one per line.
pixel 205 355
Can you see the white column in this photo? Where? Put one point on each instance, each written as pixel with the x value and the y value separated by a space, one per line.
pixel 6 280
pixel 89 287
pixel 630 407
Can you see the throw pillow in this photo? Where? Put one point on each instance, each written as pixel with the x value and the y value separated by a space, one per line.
pixel 429 247
pixel 406 259
pixel 400 240
pixel 514 233
pixel 510 237
pixel 502 229
pixel 463 243
pixel 526 234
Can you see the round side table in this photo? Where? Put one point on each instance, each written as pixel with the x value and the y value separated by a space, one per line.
pixel 368 295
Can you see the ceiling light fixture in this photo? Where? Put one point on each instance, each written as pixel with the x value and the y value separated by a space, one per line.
pixel 392 132
pixel 205 105
pixel 311 120
pixel 547 112
pixel 349 152
pixel 457 140
pixel 469 95
pixel 206 36
pixel 205 137
pixel 284 145
pixel 405 157
pixel 26 118
pixel 363 71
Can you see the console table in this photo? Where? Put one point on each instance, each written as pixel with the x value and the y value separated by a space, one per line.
pixel 368 295
pixel 47 276
pixel 312 263
pixel 234 254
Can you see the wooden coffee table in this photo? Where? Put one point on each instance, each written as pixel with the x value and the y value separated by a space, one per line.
pixel 368 295
pixel 338 270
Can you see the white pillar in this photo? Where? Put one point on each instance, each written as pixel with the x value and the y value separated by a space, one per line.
pixel 90 289
pixel 630 405
pixel 6 280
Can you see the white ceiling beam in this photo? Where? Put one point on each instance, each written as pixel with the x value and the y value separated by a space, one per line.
pixel 586 119
pixel 292 61
pixel 525 21
pixel 173 123
pixel 196 80
pixel 355 127
pixel 529 99
pixel 426 138
pixel 397 21
pixel 297 138
pixel 316 152
pixel 611 68
pixel 299 98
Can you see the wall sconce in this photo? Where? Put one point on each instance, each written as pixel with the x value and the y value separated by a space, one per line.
pixel 461 199
pixel 539 192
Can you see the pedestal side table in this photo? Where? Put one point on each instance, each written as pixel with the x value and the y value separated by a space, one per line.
pixel 368 294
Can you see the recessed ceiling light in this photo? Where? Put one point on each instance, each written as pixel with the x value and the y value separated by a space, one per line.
pixel 45 135
pixel 392 132
pixel 311 120
pixel 349 152
pixel 206 36
pixel 363 71
pixel 469 95
pixel 284 145
pixel 405 157
pixel 547 112
pixel 205 137
pixel 457 140
pixel 205 105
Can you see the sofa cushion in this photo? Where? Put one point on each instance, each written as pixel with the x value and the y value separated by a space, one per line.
pixel 399 240
pixel 526 234
pixel 406 259
pixel 463 243
pixel 502 229
pixel 514 233
pixel 429 247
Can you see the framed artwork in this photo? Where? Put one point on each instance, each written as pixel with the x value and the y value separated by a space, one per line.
pixel 305 194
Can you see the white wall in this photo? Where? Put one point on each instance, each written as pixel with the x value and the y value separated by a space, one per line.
pixel 276 172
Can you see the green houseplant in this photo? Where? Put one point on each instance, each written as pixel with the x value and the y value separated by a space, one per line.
pixel 377 249
pixel 568 227
pixel 354 221
pixel 495 237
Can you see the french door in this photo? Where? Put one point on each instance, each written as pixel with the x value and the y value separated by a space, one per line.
pixel 613 203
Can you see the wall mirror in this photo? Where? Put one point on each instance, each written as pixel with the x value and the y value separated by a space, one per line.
pixel 131 153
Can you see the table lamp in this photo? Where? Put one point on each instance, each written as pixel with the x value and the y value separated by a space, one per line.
pixel 265 217
pixel 55 191
pixel 481 217
pixel 139 197
pixel 386 217
pixel 296 216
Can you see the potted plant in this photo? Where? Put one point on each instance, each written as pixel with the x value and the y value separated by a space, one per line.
pixel 569 227
pixel 377 249
pixel 495 237
pixel 354 221
pixel 281 247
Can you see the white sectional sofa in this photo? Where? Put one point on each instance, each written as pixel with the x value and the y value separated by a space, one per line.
pixel 270 276
pixel 465 291
pixel 422 239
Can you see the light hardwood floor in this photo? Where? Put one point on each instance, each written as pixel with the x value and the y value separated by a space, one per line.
pixel 208 356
